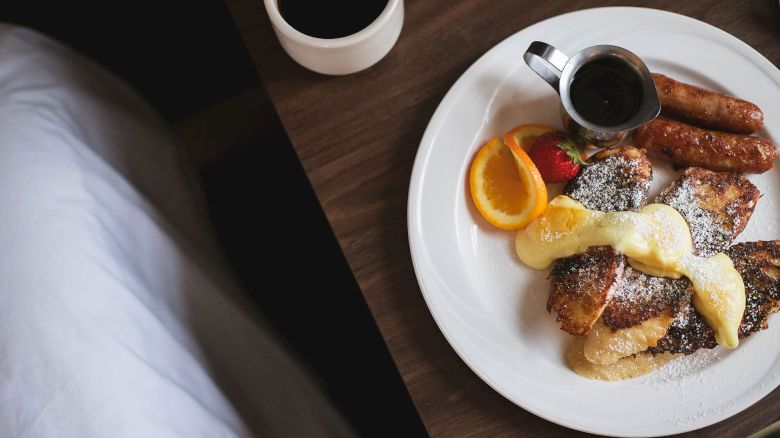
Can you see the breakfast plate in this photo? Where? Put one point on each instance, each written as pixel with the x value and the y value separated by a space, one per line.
pixel 492 309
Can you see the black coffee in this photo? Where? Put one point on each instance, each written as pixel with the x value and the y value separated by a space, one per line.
pixel 330 18
pixel 606 92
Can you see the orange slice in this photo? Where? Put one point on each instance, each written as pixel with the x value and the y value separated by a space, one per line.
pixel 506 187
pixel 523 136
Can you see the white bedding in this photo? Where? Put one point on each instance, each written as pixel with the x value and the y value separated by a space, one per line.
pixel 117 316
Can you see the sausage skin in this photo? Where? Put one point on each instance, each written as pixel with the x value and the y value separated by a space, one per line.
pixel 705 108
pixel 687 145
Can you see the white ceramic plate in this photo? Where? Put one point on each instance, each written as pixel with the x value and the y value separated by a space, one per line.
pixel 492 309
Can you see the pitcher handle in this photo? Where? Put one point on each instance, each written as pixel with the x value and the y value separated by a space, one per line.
pixel 547 62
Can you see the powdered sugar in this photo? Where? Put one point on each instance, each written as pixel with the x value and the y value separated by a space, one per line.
pixel 615 183
pixel 716 206
pixel 708 239
pixel 692 365
pixel 640 296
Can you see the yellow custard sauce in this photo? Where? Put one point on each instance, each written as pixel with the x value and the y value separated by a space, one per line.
pixel 657 241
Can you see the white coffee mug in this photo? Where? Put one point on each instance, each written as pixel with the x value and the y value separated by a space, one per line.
pixel 340 56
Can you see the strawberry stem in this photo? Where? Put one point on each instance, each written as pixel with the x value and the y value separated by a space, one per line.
pixel 572 151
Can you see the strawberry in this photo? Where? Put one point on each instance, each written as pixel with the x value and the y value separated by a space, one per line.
pixel 556 156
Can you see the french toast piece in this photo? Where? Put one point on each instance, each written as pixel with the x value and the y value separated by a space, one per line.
pixel 616 179
pixel 688 333
pixel 638 313
pixel 580 286
pixel 716 205
pixel 759 265
pixel 639 297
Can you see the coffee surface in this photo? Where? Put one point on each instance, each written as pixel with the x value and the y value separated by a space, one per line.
pixel 330 18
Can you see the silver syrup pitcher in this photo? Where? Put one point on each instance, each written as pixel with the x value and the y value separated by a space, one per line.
pixel 559 71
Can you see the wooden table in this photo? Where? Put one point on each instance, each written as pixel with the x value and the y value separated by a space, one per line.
pixel 357 136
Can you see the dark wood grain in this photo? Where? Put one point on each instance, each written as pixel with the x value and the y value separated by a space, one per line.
pixel 357 136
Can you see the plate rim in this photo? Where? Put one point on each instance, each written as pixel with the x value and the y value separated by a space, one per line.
pixel 417 177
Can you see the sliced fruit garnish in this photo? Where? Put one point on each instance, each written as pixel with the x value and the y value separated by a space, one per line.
pixel 506 186
pixel 523 136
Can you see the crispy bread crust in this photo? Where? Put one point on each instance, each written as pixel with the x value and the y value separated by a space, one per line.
pixel 639 297
pixel 688 333
pixel 758 263
pixel 580 286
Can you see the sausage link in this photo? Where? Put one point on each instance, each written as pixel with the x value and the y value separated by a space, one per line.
pixel 706 108
pixel 688 145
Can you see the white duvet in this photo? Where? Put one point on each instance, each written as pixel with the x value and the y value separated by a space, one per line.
pixel 117 316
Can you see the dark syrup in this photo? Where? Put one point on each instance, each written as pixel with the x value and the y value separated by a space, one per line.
pixel 606 92
pixel 330 18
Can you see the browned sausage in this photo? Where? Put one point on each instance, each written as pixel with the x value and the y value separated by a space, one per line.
pixel 706 108
pixel 688 145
